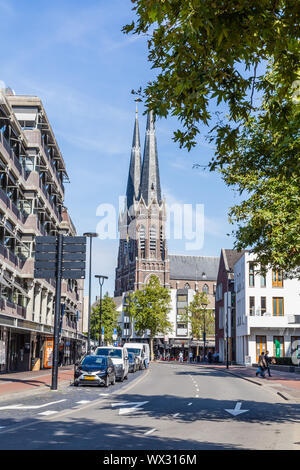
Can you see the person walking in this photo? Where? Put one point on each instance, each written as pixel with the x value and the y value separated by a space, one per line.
pixel 262 365
pixel 268 362
pixel 180 357
pixel 191 357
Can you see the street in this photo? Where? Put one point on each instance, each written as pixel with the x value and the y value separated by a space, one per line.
pixel 168 407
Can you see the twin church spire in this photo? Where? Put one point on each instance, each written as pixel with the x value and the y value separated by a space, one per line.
pixel 143 178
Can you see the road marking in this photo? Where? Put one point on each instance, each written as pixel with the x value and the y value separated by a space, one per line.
pixel 83 401
pixel 136 405
pixel 149 432
pixel 175 415
pixel 47 413
pixel 30 407
pixel 189 404
pixel 104 394
pixel 237 410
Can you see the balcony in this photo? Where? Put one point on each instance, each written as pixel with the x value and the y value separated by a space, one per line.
pixel 12 155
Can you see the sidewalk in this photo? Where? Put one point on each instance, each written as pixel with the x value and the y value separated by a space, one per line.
pixel 26 383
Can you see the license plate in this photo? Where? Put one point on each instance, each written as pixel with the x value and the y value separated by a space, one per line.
pixel 89 378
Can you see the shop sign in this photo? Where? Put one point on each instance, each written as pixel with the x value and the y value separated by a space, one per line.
pixel 48 357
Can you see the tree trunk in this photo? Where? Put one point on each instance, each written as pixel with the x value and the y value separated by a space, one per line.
pixel 151 349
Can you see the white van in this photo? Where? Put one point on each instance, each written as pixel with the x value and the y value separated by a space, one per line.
pixel 141 350
pixel 119 356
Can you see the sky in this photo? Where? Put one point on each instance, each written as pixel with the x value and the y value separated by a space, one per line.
pixel 74 56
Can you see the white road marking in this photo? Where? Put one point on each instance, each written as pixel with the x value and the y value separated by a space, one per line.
pixel 189 404
pixel 149 432
pixel 237 410
pixel 47 413
pixel 83 401
pixel 29 407
pixel 104 394
pixel 175 415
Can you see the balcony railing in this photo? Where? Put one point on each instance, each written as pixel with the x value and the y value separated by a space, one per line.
pixel 259 313
pixel 12 154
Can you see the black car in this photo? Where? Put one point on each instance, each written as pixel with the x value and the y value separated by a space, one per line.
pixel 133 362
pixel 95 370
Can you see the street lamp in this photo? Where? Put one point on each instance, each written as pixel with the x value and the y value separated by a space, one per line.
pixel 204 306
pixel 90 235
pixel 101 282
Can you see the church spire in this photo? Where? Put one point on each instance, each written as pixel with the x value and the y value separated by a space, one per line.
pixel 134 175
pixel 150 182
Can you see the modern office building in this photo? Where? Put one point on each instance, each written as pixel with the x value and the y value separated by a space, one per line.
pixel 267 312
pixel 32 176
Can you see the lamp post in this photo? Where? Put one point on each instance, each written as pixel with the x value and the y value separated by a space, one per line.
pixel 204 306
pixel 90 235
pixel 101 282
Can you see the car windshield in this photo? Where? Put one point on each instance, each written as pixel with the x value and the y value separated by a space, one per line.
pixel 110 352
pixel 134 351
pixel 94 361
pixel 131 355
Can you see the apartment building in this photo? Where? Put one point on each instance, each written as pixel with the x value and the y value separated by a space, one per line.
pixel 32 176
pixel 267 312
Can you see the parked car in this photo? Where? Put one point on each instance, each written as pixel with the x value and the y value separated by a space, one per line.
pixel 95 370
pixel 134 362
pixel 141 350
pixel 119 356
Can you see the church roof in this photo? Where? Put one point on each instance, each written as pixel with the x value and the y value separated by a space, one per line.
pixel 194 268
pixel 150 181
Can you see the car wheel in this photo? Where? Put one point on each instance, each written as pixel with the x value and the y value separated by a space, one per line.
pixel 106 381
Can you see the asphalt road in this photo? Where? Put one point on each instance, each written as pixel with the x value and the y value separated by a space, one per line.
pixel 169 406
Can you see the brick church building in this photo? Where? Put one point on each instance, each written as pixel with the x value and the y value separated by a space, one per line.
pixel 143 248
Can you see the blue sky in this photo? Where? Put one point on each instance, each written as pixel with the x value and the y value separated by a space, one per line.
pixel 74 56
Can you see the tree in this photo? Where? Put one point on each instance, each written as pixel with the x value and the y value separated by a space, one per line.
pixel 149 309
pixel 109 319
pixel 244 56
pixel 198 315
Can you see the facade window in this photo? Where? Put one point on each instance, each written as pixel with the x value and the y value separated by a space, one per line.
pixel 187 286
pixel 142 237
pixel 263 280
pixel 251 275
pixel 181 298
pixel 221 317
pixel 278 346
pixel 162 244
pixel 252 306
pixel 263 305
pixel 261 345
pixel 278 309
pixel 219 292
pixel 152 239
pixel 205 289
pixel 277 279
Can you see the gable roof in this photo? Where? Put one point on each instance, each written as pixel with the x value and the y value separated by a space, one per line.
pixel 199 268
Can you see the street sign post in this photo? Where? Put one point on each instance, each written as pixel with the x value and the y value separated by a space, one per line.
pixel 59 258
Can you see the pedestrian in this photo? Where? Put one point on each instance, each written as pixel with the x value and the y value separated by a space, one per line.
pixel 180 357
pixel 209 356
pixel 262 365
pixel 268 362
pixel 191 357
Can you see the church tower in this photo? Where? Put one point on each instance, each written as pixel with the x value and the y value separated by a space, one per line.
pixel 142 248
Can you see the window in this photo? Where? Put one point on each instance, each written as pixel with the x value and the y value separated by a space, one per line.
pixel 181 298
pixel 251 275
pixel 277 279
pixel 278 306
pixel 263 303
pixel 187 286
pixel 152 239
pixel 295 348
pixel 263 281
pixel 205 289
pixel 142 241
pixel 219 292
pixel 221 317
pixel 278 346
pixel 252 306
pixel 261 345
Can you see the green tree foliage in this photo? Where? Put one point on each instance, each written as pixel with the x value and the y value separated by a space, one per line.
pixel 109 319
pixel 197 314
pixel 149 309
pixel 243 55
